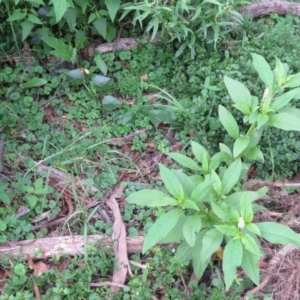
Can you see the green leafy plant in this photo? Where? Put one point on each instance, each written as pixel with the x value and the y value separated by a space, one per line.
pixel 34 21
pixel 96 85
pixel 209 209
pixel 186 21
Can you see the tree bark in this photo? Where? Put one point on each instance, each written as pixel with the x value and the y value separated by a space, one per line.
pixel 69 245
pixel 267 7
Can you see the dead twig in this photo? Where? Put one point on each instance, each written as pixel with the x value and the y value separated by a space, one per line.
pixel 104 283
pixel 272 184
pixel 126 139
pixel 119 35
pixel 63 245
pixel 272 265
pixel 119 241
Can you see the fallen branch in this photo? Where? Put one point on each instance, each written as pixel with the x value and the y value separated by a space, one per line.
pixel 104 283
pixel 63 245
pixel 120 44
pixel 271 183
pixel 267 7
pixel 119 241
pixel 126 139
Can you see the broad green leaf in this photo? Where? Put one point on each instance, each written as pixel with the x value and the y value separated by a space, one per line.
pixel 113 7
pixel 242 107
pixel 246 209
pixel 54 42
pixel 201 190
pixel 240 145
pixel 250 244
pixel 218 158
pixel 41 2
pixel 197 179
pixel 198 150
pixel 3 226
pixel 199 265
pixel 75 76
pixel 234 199
pixel 261 120
pixel 111 33
pixel 110 103
pixel 171 182
pixel 255 136
pixel 84 5
pixel 99 80
pixel 3 195
pixel 63 54
pixel 222 210
pixel 184 252
pixel 100 26
pixel 158 116
pixel 232 258
pixel 291 110
pixel 61 50
pixel 175 235
pixel 225 148
pixel 264 70
pixel 229 230
pixel 150 198
pixel 250 265
pixel 239 94
pixel 205 163
pixel 187 183
pixel 285 121
pixel 189 204
pixel 278 234
pixel 60 7
pixel 228 122
pixel 161 228
pixel 184 161
pixel 254 153
pixel 292 81
pixel 279 72
pixel 34 82
pixel 216 183
pixel 32 200
pixel 231 176
pixel 26 29
pixel 284 99
pixel 100 63
pixel 39 183
pixel 71 17
pixel 34 19
pixel 251 118
pixel 253 228
pixel 191 226
pixel 210 243
pixel 16 16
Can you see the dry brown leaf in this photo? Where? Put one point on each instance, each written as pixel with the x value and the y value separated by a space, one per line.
pixel 38 268
pixel 80 265
pixel 7 273
pixel 61 267
pixel 36 291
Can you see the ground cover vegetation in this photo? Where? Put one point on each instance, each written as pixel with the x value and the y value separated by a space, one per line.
pixel 200 91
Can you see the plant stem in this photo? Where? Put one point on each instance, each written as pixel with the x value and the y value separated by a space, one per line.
pixel 251 128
